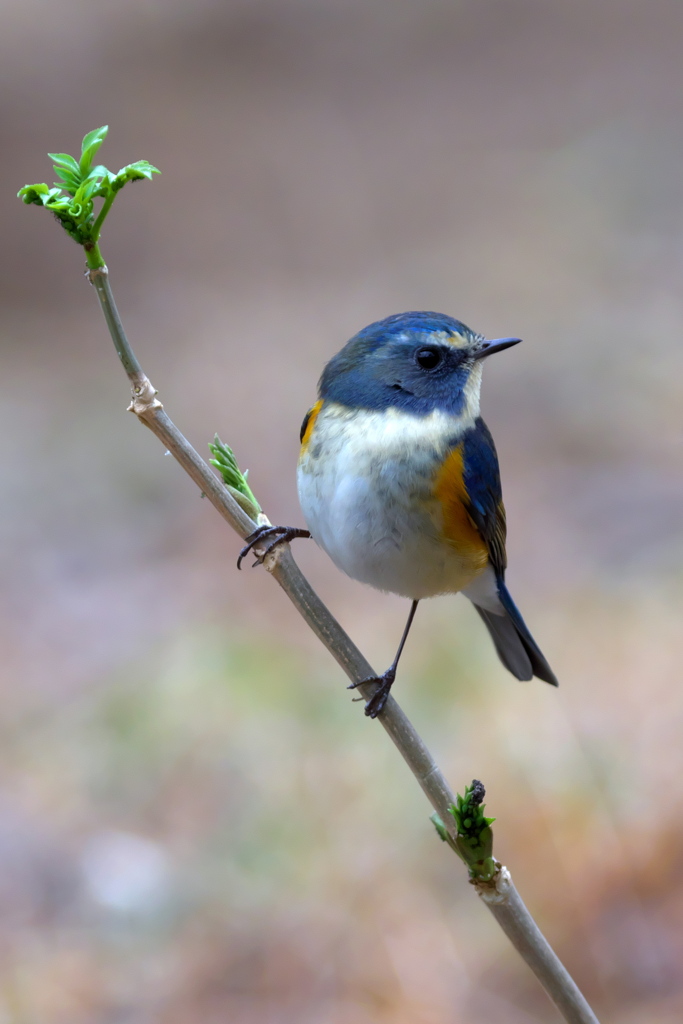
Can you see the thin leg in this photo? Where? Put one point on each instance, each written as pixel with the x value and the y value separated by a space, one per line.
pixel 272 535
pixel 379 697
pixel 399 652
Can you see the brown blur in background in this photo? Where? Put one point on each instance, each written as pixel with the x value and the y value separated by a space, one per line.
pixel 196 823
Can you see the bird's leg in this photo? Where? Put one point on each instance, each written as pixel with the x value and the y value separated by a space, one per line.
pixel 272 535
pixel 379 697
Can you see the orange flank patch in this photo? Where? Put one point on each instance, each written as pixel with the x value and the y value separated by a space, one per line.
pixel 308 424
pixel 459 530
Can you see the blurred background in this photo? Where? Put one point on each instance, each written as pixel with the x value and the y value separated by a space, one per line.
pixel 196 823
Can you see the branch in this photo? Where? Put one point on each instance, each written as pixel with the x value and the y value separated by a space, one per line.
pixel 499 894
pixel 509 910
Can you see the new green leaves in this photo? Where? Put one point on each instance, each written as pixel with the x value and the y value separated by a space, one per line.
pixel 80 183
pixel 475 838
pixel 233 477
pixel 91 143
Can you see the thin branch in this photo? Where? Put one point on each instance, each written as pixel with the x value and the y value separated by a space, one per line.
pixel 499 895
pixel 99 278
pixel 509 910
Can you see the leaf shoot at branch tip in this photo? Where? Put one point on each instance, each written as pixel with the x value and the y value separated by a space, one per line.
pixel 71 199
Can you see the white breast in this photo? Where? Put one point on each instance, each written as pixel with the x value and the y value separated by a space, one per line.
pixel 365 485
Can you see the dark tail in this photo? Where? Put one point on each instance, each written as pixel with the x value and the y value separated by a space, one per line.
pixel 515 645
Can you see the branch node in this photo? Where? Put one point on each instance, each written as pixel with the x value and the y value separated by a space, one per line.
pixel 144 398
pixel 273 558
pixel 497 890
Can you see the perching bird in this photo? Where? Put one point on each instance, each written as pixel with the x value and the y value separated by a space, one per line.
pixel 398 478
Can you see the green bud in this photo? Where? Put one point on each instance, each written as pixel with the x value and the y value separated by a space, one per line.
pixel 235 480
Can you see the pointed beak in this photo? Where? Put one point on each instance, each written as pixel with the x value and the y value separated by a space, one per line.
pixel 496 346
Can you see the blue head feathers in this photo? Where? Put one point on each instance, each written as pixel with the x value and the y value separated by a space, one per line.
pixel 417 362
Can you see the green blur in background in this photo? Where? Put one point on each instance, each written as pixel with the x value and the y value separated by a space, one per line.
pixel 196 823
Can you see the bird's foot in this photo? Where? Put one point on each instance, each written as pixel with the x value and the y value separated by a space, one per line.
pixel 270 537
pixel 379 698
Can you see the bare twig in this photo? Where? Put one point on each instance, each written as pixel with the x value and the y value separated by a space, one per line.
pixel 509 910
pixel 499 895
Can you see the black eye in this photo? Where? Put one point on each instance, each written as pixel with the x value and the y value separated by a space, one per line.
pixel 428 358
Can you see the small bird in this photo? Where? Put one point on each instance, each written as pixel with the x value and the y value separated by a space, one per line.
pixel 398 479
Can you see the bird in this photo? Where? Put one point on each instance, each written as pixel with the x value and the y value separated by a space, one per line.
pixel 399 483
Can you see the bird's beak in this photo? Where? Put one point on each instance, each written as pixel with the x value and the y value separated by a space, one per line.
pixel 498 345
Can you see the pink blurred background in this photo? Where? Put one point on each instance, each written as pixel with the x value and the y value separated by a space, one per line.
pixel 196 824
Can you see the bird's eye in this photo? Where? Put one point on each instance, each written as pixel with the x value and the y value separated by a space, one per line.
pixel 428 358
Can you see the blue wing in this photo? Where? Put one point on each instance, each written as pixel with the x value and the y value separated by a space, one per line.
pixel 481 477
pixel 515 645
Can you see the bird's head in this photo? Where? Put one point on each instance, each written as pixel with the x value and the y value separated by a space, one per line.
pixel 416 362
